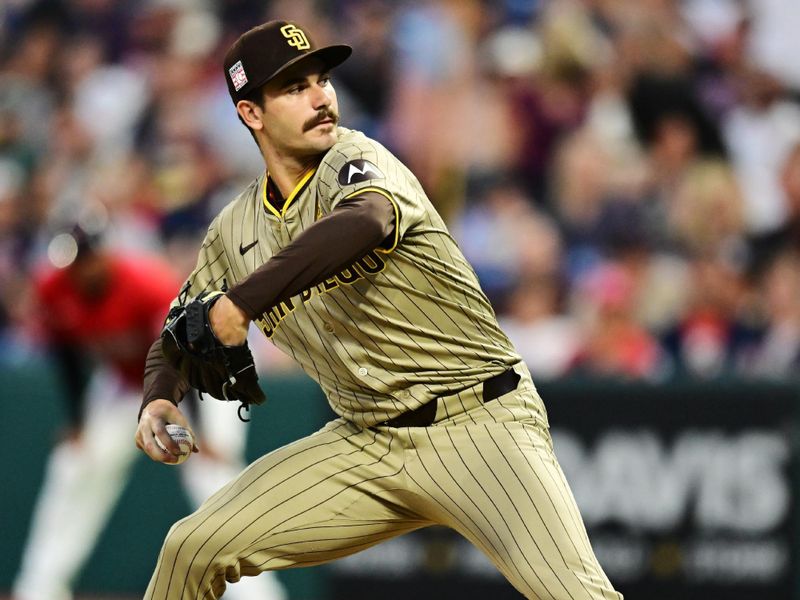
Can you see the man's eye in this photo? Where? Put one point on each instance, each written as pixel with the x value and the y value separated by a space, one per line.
pixel 324 80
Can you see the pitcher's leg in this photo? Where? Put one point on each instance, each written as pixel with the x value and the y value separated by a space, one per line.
pixel 322 497
pixel 223 438
pixel 498 483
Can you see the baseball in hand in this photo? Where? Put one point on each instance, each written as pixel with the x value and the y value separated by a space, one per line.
pixel 183 437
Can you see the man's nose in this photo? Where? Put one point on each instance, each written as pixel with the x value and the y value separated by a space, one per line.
pixel 319 98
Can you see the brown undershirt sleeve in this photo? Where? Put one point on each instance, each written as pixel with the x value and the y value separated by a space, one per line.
pixel 161 380
pixel 354 228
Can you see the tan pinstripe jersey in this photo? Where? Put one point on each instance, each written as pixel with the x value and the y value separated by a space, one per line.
pixel 396 329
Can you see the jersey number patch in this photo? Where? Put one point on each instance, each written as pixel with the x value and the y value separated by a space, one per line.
pixel 357 171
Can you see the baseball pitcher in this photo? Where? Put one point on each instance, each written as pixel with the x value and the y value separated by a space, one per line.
pixel 338 256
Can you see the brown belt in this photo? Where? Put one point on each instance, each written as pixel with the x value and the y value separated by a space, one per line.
pixel 425 415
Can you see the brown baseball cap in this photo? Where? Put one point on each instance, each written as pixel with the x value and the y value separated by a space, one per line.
pixel 264 51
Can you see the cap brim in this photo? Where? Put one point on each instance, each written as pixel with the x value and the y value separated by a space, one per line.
pixel 331 56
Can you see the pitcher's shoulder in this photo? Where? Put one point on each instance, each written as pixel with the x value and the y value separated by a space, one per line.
pixel 352 146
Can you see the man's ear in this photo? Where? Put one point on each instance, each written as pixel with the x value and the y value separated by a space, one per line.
pixel 251 114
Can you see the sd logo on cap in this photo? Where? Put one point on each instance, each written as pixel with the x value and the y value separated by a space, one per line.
pixel 264 51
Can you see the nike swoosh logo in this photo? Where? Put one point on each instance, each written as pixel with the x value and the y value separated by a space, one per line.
pixel 243 249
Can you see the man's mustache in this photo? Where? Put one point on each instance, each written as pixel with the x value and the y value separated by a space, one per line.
pixel 319 118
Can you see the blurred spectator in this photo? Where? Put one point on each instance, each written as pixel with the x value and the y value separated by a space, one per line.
pixel 717 333
pixel 106 99
pixel 446 119
pixel 601 206
pixel 549 95
pixel 547 338
pixel 128 190
pixel 506 239
pixel 712 21
pixel 12 280
pixel 187 179
pixel 367 74
pixel 655 44
pixel 662 289
pixel 773 38
pixel 672 152
pixel 583 190
pixel 706 212
pixel 615 343
pixel 778 354
pixel 720 33
pixel 761 132
pixel 27 90
pixel 790 183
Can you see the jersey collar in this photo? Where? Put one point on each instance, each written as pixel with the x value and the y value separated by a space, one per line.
pixel 295 192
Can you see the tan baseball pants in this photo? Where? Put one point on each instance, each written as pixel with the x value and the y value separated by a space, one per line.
pixel 486 470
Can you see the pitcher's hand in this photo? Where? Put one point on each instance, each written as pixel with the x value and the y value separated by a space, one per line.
pixel 153 423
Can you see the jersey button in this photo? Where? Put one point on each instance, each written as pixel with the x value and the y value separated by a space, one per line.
pixel 363 371
pixel 329 328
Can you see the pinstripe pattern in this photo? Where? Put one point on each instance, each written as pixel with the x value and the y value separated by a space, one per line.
pixel 489 473
pixel 352 334
pixel 399 328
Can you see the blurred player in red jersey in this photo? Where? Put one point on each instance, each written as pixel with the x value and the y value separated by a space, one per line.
pixel 102 309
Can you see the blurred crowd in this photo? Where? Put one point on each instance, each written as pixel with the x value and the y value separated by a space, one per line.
pixel 624 175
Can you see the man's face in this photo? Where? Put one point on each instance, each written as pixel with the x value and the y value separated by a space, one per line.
pixel 300 112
